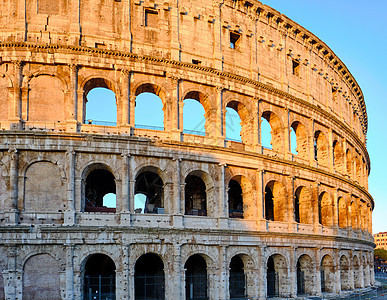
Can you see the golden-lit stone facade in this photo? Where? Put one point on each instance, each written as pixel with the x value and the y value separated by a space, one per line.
pixel 285 223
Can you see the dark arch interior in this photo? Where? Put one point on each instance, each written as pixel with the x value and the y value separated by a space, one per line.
pixel 151 185
pixel 269 204
pixel 196 278
pixel 300 279
pixel 99 277
pixel 235 199
pixel 195 196
pixel 99 182
pixel 237 278
pixel 297 206
pixel 149 278
pixel 272 279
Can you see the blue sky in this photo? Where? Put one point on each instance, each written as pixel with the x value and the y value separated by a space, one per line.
pixel 356 31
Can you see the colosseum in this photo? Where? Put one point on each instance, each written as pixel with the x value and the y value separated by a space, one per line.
pixel 222 218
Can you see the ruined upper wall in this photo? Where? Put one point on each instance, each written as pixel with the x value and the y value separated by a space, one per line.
pixel 245 38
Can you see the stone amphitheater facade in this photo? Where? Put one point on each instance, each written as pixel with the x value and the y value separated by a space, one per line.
pixel 228 219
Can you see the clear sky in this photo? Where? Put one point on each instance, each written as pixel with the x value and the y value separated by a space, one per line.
pixel 357 32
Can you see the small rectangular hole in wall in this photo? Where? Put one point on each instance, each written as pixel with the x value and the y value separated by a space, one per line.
pixel 296 67
pixel 151 18
pixel 196 62
pixel 234 39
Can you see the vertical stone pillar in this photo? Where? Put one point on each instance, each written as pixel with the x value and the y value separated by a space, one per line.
pixel 213 273
pixel 71 118
pixel 335 222
pixel 123 119
pixel 81 106
pixel 290 203
pixel 287 142
pixel 219 130
pixel 132 181
pixel 217 54
pixel 262 273
pixel 13 277
pixel 75 25
pixel 317 288
pixel 177 205
pixel 223 283
pixel 126 35
pixel 176 126
pixel 69 214
pixel 316 212
pixel 125 206
pixel 16 121
pixel 69 273
pixel 176 283
pixel 255 127
pixel 175 34
pixel 222 203
pixel 125 272
pixel 132 109
pixel 13 209
pixel 312 160
pixel 261 223
pixel 292 272
pixel 330 150
pixel 337 282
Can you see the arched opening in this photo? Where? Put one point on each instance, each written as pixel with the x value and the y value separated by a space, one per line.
pixel 344 273
pixel 305 277
pixel 149 110
pixel 321 148
pixel 150 186
pixel 354 216
pixel 99 280
pixel 343 213
pixel 338 157
pixel 358 170
pixel 277 276
pixel 233 125
pixel 101 107
pixel 195 195
pixel 149 278
pixel 276 130
pixel 235 199
pixel 193 117
pixel 275 202
pixel 196 278
pixel 299 140
pixel 303 202
pixel 266 134
pixel 237 279
pixel 100 190
pixel 356 273
pixel 327 274
pixel 366 272
pixel 325 209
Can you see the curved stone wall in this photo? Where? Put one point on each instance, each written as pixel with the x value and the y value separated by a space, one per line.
pixel 275 213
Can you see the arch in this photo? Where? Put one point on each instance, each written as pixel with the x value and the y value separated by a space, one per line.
pixel 349 163
pixel 46 99
pixel 41 277
pixel 198 193
pixel 99 277
pixel 338 157
pixel 43 188
pixel 343 213
pixel 149 278
pixel 366 272
pixel 98 81
pixel 354 215
pixel 237 278
pixel 344 273
pixel 275 202
pixel 356 272
pixel 101 107
pixel 325 209
pixel 196 285
pixel 321 148
pixel 240 197
pixel 277 136
pixel 303 206
pixel 277 276
pixel 190 119
pixel 150 184
pixel 305 275
pixel 358 169
pixel 243 117
pixel 302 138
pixel 327 269
pixel 4 94
pixel 4 195
pixel 98 181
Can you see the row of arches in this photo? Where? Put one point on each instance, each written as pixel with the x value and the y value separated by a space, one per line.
pixel 98 276
pixel 153 192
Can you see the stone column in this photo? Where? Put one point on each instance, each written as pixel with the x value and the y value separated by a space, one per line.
pixel 287 142
pixel 13 209
pixel 290 203
pixel 292 273
pixel 337 282
pixel 132 181
pixel 317 288
pixel 176 125
pixel 175 34
pixel 260 200
pixel 330 150
pixel 123 119
pixel 81 105
pixel 69 273
pixel 262 273
pixel 125 273
pixel 69 214
pixel 223 283
pixel 132 109
pixel 177 205
pixel 316 215
pixel 222 203
pixel 335 211
pixel 312 160
pixel 17 97
pixel 125 183
pixel 219 133
pixel 176 283
pixel 217 26
pixel 75 26
pixel 255 130
pixel 71 118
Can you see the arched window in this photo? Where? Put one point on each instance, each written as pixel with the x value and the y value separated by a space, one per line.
pixel 299 140
pixel 149 278
pixel 321 148
pixel 325 209
pixel 196 278
pixel 302 207
pixel 349 164
pixel 99 281
pixel 277 276
pixel 149 112
pixel 338 157
pixel 193 117
pixel 269 204
pixel 344 273
pixel 305 275
pixel 266 134
pixel 297 206
pixel 356 273
pixel 275 202
pixel 233 125
pixel 101 107
pixel 343 213
pixel 100 104
pixel 235 199
pixel 237 279
pixel 149 192
pixel 99 190
pixel 277 140
pixel 197 186
pixel 293 141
